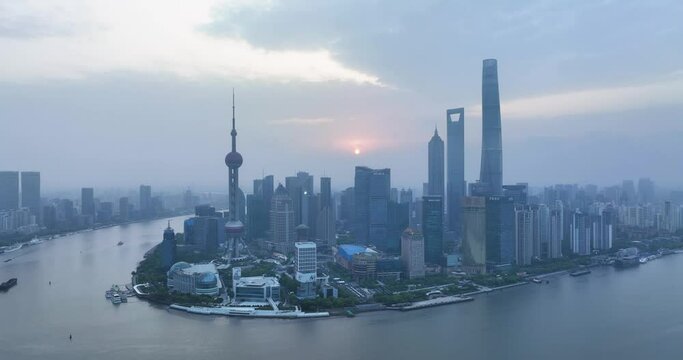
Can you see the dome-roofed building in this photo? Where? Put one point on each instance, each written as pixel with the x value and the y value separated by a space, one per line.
pixel 195 279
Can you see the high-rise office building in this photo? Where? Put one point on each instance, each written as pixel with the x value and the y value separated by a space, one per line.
pixel 371 203
pixel 474 235
pixel 50 216
pixel 300 189
pixel 88 202
pixel 305 268
pixel 124 214
pixel 9 190
pixel 326 219
pixel 412 253
pixel 435 164
pixel 30 192
pixel 268 190
pixel 524 235
pixel 491 143
pixel 347 208
pixel 580 233
pixel 205 232
pixel 282 225
pixel 257 216
pixel 556 230
pixel 432 228
pixel 500 230
pixel 146 201
pixel 456 169
pixel 544 224
pixel 398 220
pixel 628 193
pixel 646 191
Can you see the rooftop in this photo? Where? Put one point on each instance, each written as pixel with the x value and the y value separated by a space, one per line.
pixel 348 250
pixel 258 281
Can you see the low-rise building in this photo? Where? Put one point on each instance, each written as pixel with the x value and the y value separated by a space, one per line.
pixel 195 279
pixel 360 260
pixel 255 289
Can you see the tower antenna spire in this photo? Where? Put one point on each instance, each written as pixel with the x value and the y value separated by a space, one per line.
pixel 233 133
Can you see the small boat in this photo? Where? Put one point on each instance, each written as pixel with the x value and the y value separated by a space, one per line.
pixel 8 284
pixel 580 272
pixel 537 280
pixel 116 299
pixel 350 313
pixel 643 260
pixel 120 243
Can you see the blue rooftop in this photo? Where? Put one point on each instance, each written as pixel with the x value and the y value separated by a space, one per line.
pixel 348 250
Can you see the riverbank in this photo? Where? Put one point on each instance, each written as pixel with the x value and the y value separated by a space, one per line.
pixel 249 312
pixel 16 239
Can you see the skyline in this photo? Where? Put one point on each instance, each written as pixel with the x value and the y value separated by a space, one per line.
pixel 138 124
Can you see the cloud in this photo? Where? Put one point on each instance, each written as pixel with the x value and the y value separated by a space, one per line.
pixel 302 121
pixel 592 101
pixel 75 39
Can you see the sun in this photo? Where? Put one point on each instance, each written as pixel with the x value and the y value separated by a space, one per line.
pixel 356 151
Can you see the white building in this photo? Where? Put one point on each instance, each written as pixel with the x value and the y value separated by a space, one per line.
pixel 196 279
pixel 255 290
pixel 306 268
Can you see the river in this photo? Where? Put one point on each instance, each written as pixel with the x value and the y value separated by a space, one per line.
pixel 609 314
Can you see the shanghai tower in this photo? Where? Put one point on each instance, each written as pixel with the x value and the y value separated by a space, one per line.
pixel 491 175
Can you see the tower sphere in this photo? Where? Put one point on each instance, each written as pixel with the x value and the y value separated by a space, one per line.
pixel 233 159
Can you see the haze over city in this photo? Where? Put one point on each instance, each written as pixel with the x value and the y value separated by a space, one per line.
pixel 106 95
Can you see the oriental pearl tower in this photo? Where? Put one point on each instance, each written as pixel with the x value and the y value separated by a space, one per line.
pixel 234 227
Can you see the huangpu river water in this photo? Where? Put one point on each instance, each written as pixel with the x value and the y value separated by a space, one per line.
pixel 609 314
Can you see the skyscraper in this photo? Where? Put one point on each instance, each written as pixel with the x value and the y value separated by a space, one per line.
pixel 233 160
pixel 371 202
pixel 500 230
pixel 646 191
pixel 9 190
pixel 491 142
pixel 524 235
pixel 456 169
pixel 432 228
pixel 282 226
pixel 88 202
pixel 123 209
pixel 556 230
pixel 268 189
pixel 146 201
pixel 326 219
pixel 412 253
pixel 435 171
pixel 474 235
pixel 300 188
pixel 30 192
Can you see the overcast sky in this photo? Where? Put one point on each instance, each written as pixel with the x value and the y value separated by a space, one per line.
pixel 118 93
